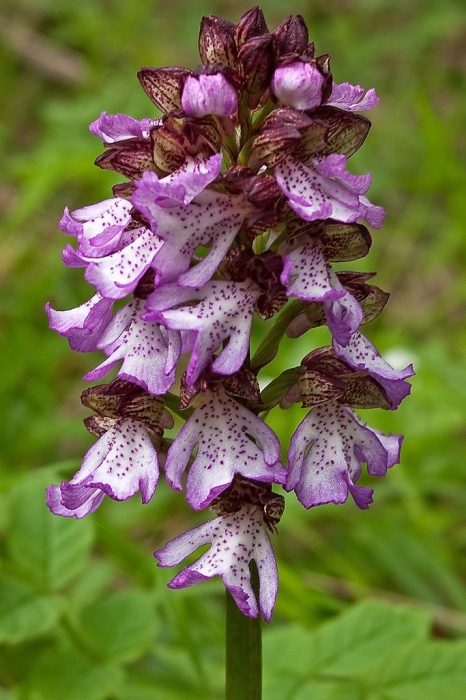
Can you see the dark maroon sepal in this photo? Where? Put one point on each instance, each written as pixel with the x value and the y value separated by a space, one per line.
pixel 130 158
pixel 217 42
pixel 291 38
pixel 163 86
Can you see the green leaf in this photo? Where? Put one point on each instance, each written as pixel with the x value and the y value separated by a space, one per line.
pixel 172 662
pixel 92 584
pixel 24 614
pixel 374 651
pixel 368 628
pixel 133 559
pixel 65 675
pixel 166 689
pixel 427 671
pixel 120 627
pixel 48 549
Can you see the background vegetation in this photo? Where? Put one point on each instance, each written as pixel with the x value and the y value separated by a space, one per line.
pixel 84 612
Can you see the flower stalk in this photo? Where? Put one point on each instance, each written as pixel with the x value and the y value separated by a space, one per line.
pixel 243 679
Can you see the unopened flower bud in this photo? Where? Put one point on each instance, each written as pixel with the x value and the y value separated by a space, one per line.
pixel 291 37
pixel 217 42
pixel 298 85
pixel 251 24
pixel 208 94
pixel 130 158
pixel 179 138
pixel 256 58
pixel 163 86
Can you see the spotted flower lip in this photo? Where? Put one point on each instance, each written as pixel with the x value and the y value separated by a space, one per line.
pixel 114 254
pixel 306 271
pixel 117 275
pixel 225 311
pixel 121 463
pixel 344 315
pixel 308 276
pixel 186 215
pixel 119 127
pixel 208 94
pixel 326 452
pixel 220 428
pixel 178 188
pixel 149 352
pixel 314 194
pixel 235 539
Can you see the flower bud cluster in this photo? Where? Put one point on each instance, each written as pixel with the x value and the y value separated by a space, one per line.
pixel 236 202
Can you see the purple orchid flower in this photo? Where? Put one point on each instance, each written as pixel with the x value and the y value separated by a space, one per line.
pixel 326 452
pixel 121 463
pixel 117 275
pixel 360 354
pixel 236 201
pixel 186 215
pixel 323 189
pixel 235 539
pixel 308 275
pixel 225 311
pixel 99 227
pixel 220 428
pixel 83 326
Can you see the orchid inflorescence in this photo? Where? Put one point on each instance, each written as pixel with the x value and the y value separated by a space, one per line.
pixel 236 204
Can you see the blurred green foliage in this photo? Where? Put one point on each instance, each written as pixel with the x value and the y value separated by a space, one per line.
pixel 84 611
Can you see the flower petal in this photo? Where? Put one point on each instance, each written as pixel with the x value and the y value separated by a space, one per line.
pixel 121 463
pixel 178 188
pixel 98 227
pixel 345 315
pixel 351 97
pixel 306 273
pixel 89 505
pixel 84 325
pixel 116 275
pixel 119 127
pixel 314 195
pixel 210 220
pixel 298 85
pixel 208 94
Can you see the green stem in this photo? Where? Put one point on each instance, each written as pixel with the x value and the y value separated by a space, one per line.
pixel 243 651
pixel 269 346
